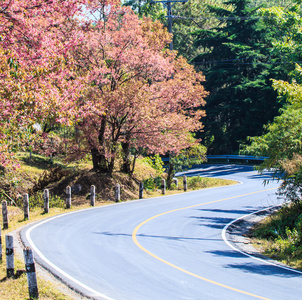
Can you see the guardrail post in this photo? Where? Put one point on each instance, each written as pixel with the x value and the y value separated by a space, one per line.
pixel 4 214
pixel 141 190
pixel 163 186
pixel 46 201
pixel 185 183
pixel 10 263
pixel 26 206
pixel 31 274
pixel 92 195
pixel 117 193
pixel 68 197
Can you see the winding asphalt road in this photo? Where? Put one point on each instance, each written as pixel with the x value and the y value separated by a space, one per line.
pixel 165 248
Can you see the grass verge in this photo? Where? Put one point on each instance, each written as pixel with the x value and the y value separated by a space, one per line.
pixel 279 236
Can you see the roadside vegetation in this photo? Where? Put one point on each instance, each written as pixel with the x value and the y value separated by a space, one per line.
pixel 279 236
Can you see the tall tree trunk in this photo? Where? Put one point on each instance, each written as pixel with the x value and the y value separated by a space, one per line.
pixel 111 166
pixel 98 156
pixel 171 173
pixel 126 166
pixel 99 161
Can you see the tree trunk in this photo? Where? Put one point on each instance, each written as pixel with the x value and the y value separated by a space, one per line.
pixel 99 161
pixel 126 166
pixel 133 165
pixel 171 173
pixel 98 156
pixel 111 166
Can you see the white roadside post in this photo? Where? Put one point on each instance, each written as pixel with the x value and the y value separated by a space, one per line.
pixel 5 214
pixel 26 206
pixel 10 262
pixel 68 197
pixel 92 195
pixel 163 186
pixel 31 274
pixel 141 190
pixel 185 182
pixel 117 193
pixel 46 201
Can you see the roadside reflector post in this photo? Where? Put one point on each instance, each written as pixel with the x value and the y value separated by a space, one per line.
pixel 141 190
pixel 10 263
pixel 117 193
pixel 26 206
pixel 92 195
pixel 68 197
pixel 185 183
pixel 31 274
pixel 163 186
pixel 46 201
pixel 175 181
pixel 5 214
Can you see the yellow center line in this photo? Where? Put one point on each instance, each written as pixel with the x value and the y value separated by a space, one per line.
pixel 134 238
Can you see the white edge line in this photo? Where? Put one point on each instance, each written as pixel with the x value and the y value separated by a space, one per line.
pixel 223 233
pixel 95 293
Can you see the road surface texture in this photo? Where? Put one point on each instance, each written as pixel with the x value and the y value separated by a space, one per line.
pixel 165 248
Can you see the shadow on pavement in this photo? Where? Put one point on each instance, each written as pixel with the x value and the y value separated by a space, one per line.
pixel 264 269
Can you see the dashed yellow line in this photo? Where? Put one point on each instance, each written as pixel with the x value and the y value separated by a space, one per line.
pixel 134 238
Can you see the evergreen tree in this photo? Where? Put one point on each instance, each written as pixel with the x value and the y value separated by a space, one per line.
pixel 235 63
pixel 189 17
pixel 147 8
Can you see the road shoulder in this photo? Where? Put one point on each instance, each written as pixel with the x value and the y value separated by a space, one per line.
pixel 238 235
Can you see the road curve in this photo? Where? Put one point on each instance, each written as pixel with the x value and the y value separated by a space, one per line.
pixel 165 248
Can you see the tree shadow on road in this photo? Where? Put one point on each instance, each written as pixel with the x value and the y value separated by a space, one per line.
pixel 265 269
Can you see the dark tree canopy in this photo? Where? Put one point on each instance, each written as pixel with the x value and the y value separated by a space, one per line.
pixel 238 63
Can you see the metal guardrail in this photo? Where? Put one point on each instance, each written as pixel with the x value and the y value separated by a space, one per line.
pixel 230 157
pixel 237 157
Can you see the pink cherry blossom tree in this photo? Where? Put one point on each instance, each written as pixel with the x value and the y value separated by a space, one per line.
pixel 138 94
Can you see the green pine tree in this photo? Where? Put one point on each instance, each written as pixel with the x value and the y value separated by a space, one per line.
pixel 236 64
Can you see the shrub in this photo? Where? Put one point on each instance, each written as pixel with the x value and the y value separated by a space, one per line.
pixel 37 201
pixel 152 183
pixel 196 183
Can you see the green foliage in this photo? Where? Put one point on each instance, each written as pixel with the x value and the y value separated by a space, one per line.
pixel 197 182
pixel 152 184
pixel 282 142
pixel 241 55
pixel 190 17
pixel 185 159
pixel 188 157
pixel 37 201
pixel 283 230
pixel 291 188
pixel 144 8
pixel 156 163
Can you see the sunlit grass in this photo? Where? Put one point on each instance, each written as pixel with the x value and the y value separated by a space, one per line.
pixel 279 236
